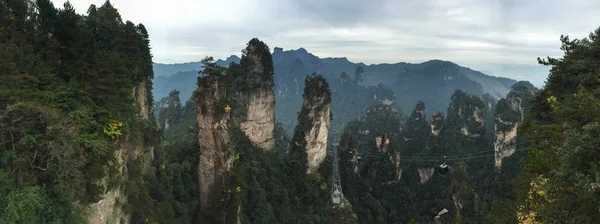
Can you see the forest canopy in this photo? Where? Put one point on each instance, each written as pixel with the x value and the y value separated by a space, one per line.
pixel 66 106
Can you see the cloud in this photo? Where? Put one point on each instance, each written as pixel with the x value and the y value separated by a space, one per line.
pixel 469 31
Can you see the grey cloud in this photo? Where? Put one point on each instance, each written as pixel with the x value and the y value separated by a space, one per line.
pixel 470 31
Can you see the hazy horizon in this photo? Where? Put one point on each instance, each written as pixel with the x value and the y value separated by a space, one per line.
pixel 482 35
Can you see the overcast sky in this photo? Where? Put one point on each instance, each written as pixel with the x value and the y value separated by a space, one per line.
pixel 482 34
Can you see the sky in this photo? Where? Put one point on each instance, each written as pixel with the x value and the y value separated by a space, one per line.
pixel 501 37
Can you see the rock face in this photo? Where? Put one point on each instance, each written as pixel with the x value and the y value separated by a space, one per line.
pixel 215 152
pixel 360 76
pixel 140 92
pixel 417 126
pixel 107 210
pixel 382 143
pixel 314 121
pixel 509 114
pixel 443 217
pixel 466 114
pixel 437 123
pixel 425 174
pixel 344 78
pixel 253 83
pixel 259 123
pixel 240 98
pixel 169 110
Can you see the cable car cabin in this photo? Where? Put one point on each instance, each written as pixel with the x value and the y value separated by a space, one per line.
pixel 443 169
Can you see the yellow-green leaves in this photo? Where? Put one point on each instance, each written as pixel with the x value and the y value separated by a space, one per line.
pixel 112 129
pixel 553 103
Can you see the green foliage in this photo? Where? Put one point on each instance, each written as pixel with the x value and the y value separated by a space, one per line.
pixel 169 193
pixel 19 205
pixel 65 81
pixel 563 129
pixel 210 68
pixel 255 70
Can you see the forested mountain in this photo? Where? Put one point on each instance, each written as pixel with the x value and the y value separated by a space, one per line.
pixel 388 161
pixel 356 86
pixel 291 63
pixel 76 122
pixel 166 70
pixel 561 180
pixel 282 136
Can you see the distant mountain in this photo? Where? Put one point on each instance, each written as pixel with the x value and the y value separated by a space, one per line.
pixel 433 82
pixel 167 70
pixel 184 82
pixel 181 77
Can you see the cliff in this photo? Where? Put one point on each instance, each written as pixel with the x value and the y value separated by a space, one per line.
pixel 466 115
pixel 314 120
pixel 509 114
pixel 169 110
pixel 255 100
pixel 238 98
pixel 215 153
pixel 137 150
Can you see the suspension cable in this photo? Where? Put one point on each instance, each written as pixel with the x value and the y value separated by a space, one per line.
pixel 466 156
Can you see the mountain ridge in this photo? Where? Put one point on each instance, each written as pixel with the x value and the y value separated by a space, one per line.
pixel 333 66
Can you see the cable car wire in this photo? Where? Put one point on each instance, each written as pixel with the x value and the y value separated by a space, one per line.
pixel 466 156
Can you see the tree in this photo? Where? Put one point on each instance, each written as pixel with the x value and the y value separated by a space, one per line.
pixel 560 180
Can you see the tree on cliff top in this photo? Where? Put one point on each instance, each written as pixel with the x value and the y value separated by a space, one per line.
pixel 256 67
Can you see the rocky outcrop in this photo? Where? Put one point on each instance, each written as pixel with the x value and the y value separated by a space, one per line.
pixel 397 167
pixel 215 153
pixel 109 208
pixel 504 141
pixel 382 143
pixel 344 78
pixel 437 123
pixel 255 103
pixel 169 110
pixel 241 98
pixel 259 122
pixel 466 115
pixel 314 121
pixel 417 127
pixel 383 94
pixel 140 94
pixel 425 174
pixel 509 114
pixel 360 76
pixel 443 217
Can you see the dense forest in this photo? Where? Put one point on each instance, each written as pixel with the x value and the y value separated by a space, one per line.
pixel 67 113
pixel 376 185
pixel 83 141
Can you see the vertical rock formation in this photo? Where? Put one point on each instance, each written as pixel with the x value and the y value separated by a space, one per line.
pixel 360 76
pixel 437 123
pixel 241 98
pixel 255 104
pixel 313 121
pixel 107 210
pixel 417 127
pixel 382 143
pixel 344 78
pixel 383 95
pixel 509 113
pixel 140 93
pixel 138 147
pixel 169 110
pixel 215 153
pixel 425 174
pixel 466 114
